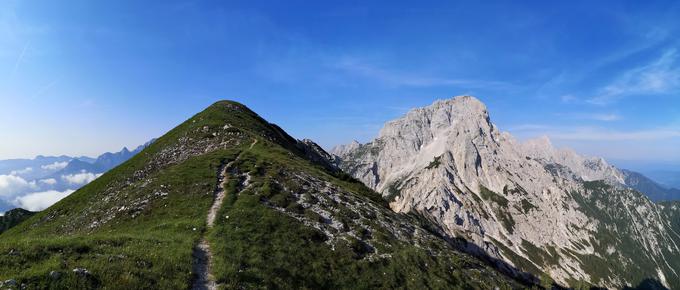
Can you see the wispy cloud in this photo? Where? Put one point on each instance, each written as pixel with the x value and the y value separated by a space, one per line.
pixel 589 134
pixel 659 77
pixel 44 89
pixel 595 133
pixel 360 68
pixel 603 117
pixel 568 98
pixel 18 61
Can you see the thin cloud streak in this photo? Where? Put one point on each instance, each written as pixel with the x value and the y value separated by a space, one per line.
pixel 359 68
pixel 659 77
pixel 603 117
pixel 17 63
pixel 595 133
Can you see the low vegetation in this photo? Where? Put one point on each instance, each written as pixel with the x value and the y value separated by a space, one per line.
pixel 286 222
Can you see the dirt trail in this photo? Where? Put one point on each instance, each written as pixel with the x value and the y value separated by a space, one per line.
pixel 202 255
pixel 202 262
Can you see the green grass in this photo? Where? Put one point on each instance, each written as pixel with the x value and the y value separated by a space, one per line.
pixel 263 248
pixel 488 194
pixel 527 206
pixel 501 210
pixel 135 227
pixel 126 252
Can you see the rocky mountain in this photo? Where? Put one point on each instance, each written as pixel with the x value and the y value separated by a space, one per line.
pixel 548 211
pixel 13 218
pixel 655 192
pixel 34 168
pixel 228 200
pixel 101 164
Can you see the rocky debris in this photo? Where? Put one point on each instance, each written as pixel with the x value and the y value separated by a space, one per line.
pixel 54 275
pixel 189 145
pixel 343 216
pixel 449 163
pixel 8 283
pixel 316 154
pixel 81 272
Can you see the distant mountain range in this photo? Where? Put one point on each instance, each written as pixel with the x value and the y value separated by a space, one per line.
pixel 52 177
pixel 667 178
pixel 655 191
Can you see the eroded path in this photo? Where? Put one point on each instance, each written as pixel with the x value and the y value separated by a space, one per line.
pixel 202 255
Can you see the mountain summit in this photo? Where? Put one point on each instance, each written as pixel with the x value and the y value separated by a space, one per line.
pixel 544 210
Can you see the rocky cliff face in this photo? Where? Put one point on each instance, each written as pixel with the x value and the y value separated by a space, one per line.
pixel 548 211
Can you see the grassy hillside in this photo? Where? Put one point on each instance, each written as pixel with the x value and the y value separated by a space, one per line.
pixel 286 222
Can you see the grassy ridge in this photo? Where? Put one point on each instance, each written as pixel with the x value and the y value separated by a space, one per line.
pixel 135 227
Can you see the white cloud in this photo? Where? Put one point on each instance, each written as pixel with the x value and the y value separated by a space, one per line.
pixel 55 166
pixel 659 77
pixel 12 185
pixel 38 201
pixel 48 181
pixel 22 171
pixel 80 178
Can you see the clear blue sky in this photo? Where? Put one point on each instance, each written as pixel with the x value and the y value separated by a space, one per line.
pixel 85 77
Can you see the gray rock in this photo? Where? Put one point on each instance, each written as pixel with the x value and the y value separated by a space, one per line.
pixel 54 275
pixel 449 162
pixel 81 272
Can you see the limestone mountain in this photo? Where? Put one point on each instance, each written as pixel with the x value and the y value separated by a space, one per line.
pixel 548 211
pixel 228 200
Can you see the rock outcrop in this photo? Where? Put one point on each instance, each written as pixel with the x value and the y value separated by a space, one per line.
pixel 548 211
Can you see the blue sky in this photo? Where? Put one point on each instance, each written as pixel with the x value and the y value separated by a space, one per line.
pixel 92 76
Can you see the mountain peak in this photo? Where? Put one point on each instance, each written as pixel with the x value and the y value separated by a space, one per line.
pixel 539 144
pixel 464 106
pixel 450 163
pixel 464 100
pixel 460 111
